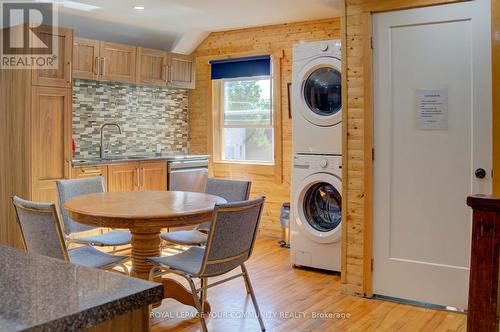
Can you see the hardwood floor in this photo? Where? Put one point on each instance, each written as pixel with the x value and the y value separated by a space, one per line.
pixel 289 298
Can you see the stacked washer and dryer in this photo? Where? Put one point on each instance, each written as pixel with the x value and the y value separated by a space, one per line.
pixel 315 206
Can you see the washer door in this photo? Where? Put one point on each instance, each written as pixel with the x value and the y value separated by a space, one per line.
pixel 320 92
pixel 318 207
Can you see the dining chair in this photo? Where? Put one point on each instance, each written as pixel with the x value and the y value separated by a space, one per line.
pixel 230 243
pixel 230 190
pixel 68 189
pixel 42 234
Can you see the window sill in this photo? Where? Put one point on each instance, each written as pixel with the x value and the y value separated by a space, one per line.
pixel 243 163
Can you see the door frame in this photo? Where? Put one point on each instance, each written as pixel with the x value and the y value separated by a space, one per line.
pixel 358 194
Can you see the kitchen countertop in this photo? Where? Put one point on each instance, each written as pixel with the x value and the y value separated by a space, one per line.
pixel 111 159
pixel 40 293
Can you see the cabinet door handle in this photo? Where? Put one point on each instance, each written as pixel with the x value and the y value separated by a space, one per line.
pixel 91 171
pixel 97 63
pixel 143 178
pixel 70 74
pixel 103 66
pixel 136 177
pixel 69 169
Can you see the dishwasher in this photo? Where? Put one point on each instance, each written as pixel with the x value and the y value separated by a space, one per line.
pixel 187 175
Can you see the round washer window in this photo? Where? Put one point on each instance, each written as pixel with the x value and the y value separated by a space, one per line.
pixel 323 91
pixel 322 207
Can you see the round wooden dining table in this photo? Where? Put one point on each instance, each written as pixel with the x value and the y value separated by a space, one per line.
pixel 145 214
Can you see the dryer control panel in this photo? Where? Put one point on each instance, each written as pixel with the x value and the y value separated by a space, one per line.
pixel 318 163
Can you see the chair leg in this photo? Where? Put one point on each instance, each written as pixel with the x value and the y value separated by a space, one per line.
pixel 252 294
pixel 198 305
pixel 246 285
pixel 204 283
pixel 124 268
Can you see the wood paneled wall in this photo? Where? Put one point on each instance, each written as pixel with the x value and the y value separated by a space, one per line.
pixel 357 179
pixel 275 39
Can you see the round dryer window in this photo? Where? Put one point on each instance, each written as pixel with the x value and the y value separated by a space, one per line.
pixel 322 207
pixel 323 91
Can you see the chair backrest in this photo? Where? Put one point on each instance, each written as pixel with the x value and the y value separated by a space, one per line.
pixel 232 236
pixel 68 189
pixel 40 228
pixel 230 190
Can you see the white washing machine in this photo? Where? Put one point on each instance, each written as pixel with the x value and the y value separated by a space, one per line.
pixel 316 211
pixel 317 98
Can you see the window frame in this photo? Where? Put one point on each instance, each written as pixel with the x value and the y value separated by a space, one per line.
pixel 223 126
pixel 219 123
pixel 223 168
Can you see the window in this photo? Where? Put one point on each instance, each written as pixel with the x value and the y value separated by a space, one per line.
pixel 246 120
pixel 243 111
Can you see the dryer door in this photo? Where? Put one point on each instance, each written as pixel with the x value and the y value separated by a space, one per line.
pixel 318 207
pixel 320 92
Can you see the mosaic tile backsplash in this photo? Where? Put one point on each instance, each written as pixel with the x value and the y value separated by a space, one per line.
pixel 147 115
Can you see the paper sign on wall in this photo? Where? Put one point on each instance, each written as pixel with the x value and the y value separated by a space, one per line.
pixel 432 109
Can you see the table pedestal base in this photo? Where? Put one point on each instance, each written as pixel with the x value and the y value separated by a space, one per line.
pixel 145 244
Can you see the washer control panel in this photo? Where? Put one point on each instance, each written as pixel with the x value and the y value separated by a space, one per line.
pixel 307 50
pixel 322 163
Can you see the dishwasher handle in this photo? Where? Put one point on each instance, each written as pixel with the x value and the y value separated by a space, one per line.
pixel 186 170
pixel 187 164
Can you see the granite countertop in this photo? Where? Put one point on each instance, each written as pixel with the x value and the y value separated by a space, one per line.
pixel 110 159
pixel 40 293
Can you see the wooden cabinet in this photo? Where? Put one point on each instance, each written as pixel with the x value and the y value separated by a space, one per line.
pixel 35 131
pixel 51 140
pixel 100 60
pixel 152 66
pixel 118 62
pixel 123 177
pixel 86 58
pixel 181 71
pixel 137 176
pixel 153 176
pixel 83 172
pixel 60 76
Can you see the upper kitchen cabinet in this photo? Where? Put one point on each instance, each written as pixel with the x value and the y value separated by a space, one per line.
pixel 152 66
pixel 100 60
pixel 60 76
pixel 86 58
pixel 117 62
pixel 181 71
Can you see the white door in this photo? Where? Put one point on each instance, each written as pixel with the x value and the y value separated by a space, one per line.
pixel 432 130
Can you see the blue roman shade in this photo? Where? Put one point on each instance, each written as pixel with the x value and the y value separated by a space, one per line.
pixel 241 67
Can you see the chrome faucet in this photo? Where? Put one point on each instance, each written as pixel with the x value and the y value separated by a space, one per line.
pixel 101 148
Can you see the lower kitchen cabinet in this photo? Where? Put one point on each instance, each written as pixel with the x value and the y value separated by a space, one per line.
pixel 123 177
pixel 142 176
pixel 153 176
pixel 82 172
